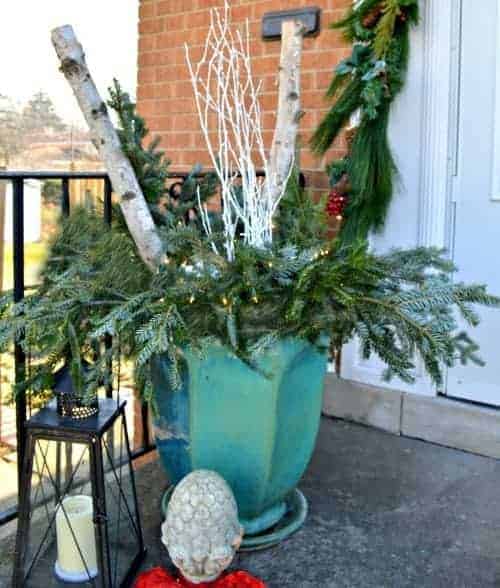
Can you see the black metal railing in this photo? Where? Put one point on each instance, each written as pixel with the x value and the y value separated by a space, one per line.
pixel 18 179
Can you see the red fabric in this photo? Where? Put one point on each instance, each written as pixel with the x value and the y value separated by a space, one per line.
pixel 239 580
pixel 155 578
pixel 159 578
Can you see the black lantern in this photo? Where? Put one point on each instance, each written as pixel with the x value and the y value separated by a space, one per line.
pixel 78 513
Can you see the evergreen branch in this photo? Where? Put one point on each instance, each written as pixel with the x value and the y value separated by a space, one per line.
pixel 384 31
pixel 402 305
pixel 336 118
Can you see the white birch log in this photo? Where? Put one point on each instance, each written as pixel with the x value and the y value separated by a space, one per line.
pixel 132 202
pixel 289 112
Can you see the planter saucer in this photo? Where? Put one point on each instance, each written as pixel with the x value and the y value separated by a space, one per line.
pixel 291 522
pixel 293 519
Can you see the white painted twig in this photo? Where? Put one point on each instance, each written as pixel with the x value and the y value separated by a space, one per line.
pixel 205 220
pixel 225 93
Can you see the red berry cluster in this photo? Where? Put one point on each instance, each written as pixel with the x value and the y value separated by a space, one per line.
pixel 336 204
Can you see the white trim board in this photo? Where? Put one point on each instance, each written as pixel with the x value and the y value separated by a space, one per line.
pixel 495 169
pixel 441 22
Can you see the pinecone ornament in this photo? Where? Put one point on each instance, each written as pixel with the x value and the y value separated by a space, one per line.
pixel 350 134
pixel 372 17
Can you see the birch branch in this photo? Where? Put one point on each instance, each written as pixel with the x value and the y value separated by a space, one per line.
pixel 289 113
pixel 104 136
pixel 225 90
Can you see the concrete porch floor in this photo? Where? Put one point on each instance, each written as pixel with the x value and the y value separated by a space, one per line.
pixel 385 511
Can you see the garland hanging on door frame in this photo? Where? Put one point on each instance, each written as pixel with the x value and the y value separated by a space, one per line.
pixel 363 89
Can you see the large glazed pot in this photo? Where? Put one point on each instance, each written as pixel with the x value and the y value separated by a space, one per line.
pixel 256 428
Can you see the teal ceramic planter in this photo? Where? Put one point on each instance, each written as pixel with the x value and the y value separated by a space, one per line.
pixel 257 431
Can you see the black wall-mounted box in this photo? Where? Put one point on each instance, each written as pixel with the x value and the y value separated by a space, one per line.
pixel 271 21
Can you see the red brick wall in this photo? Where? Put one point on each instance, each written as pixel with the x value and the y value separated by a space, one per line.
pixel 165 95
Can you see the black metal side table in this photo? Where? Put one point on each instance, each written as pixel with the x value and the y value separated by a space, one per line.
pixel 79 518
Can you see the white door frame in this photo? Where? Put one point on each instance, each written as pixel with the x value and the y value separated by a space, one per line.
pixel 439 29
pixel 441 22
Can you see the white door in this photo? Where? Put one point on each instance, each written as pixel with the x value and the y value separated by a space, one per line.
pixel 476 190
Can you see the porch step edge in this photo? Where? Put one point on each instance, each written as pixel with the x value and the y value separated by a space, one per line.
pixel 471 428
pixel 361 403
pixel 452 423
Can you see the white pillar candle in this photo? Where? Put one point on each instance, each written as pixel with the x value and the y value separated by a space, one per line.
pixel 80 514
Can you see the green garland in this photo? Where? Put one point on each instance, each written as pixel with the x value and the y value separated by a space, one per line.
pixel 368 81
